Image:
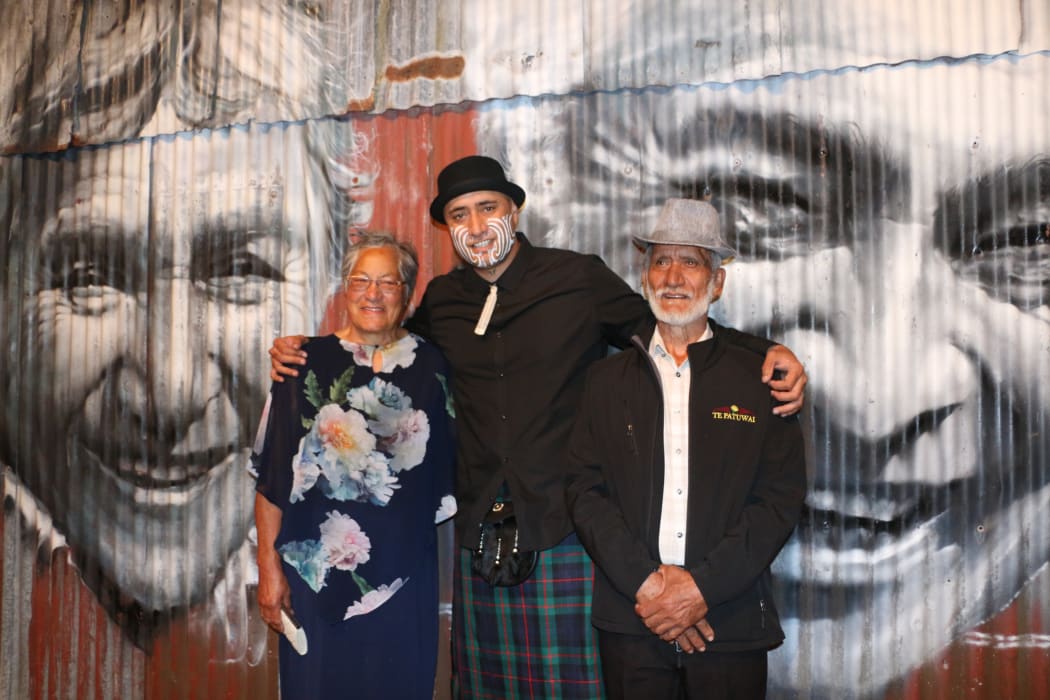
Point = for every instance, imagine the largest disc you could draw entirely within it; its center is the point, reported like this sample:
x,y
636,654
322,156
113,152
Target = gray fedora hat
x,y
688,222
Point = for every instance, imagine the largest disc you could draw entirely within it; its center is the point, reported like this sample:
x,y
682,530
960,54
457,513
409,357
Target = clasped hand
x,y
672,607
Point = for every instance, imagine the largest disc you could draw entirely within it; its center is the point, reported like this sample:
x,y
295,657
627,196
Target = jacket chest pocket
x,y
630,440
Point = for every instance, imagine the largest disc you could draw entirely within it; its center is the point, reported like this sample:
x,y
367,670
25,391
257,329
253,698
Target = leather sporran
x,y
497,558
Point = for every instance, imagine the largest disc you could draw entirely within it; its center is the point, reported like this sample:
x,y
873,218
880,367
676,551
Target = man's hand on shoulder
x,y
786,378
285,351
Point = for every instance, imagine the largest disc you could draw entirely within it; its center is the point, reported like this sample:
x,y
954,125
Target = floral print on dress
x,y
338,446
355,453
373,597
355,447
446,509
343,545
402,432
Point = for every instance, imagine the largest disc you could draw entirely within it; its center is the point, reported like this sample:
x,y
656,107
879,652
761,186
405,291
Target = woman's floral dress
x,y
361,465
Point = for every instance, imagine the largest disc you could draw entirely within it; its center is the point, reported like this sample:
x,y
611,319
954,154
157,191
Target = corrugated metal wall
x,y
179,179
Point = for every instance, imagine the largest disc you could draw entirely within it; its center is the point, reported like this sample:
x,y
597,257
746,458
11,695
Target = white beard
x,y
694,313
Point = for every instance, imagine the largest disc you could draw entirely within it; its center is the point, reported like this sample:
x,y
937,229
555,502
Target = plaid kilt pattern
x,y
529,641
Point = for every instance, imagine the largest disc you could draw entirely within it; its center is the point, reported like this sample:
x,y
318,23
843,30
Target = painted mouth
x,y
146,456
852,550
862,529
860,525
174,472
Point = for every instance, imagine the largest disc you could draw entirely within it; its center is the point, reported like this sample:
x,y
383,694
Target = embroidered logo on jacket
x,y
734,413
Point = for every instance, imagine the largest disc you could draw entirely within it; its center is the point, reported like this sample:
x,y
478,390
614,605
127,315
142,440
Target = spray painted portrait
x,y
178,180
145,276
893,224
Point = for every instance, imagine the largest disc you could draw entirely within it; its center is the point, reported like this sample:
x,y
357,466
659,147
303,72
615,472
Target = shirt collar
x,y
514,273
658,348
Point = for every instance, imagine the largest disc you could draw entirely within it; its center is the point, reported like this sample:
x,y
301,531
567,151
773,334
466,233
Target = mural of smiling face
x,y
890,214
150,275
903,257
482,226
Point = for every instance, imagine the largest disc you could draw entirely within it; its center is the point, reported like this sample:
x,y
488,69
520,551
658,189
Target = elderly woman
x,y
354,470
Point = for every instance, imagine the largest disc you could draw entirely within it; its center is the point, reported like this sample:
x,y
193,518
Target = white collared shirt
x,y
674,384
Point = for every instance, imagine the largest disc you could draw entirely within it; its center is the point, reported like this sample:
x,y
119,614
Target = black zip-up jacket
x,y
747,483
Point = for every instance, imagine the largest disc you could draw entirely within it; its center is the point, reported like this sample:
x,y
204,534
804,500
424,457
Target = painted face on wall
x,y
892,226
482,225
154,275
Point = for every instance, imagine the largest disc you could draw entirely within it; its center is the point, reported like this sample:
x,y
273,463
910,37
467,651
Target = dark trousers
x,y
647,668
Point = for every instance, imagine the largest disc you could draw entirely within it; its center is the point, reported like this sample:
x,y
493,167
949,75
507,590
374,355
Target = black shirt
x,y
517,386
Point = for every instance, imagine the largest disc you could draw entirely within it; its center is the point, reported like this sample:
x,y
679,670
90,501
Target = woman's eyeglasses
x,y
359,284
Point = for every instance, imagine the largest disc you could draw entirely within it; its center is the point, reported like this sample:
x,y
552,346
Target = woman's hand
x,y
273,591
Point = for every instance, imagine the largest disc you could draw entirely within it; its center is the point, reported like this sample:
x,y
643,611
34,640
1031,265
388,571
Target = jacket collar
x,y
701,354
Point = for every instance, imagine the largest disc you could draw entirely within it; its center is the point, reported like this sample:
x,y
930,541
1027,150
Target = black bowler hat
x,y
472,174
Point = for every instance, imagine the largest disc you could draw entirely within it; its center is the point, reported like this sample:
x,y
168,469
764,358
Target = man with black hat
x,y
684,486
520,325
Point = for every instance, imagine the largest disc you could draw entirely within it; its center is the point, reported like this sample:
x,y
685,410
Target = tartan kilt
x,y
534,640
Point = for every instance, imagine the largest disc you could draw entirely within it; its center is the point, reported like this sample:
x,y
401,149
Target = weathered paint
x,y
860,155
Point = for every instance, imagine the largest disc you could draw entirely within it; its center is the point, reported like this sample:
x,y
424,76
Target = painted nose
x,y
178,370
892,337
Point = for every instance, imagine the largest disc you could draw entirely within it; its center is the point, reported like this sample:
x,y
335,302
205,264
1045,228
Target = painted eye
x,y
1012,264
236,275
90,290
93,280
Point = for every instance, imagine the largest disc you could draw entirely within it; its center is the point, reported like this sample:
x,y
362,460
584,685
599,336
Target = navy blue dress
x,y
361,465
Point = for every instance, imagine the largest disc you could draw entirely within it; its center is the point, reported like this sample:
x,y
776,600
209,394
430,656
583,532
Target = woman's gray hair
x,y
407,260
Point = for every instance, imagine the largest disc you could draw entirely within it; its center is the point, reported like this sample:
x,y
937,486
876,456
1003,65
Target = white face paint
x,y
488,247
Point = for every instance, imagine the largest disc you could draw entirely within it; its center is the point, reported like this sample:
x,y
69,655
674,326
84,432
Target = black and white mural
x,y
178,182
